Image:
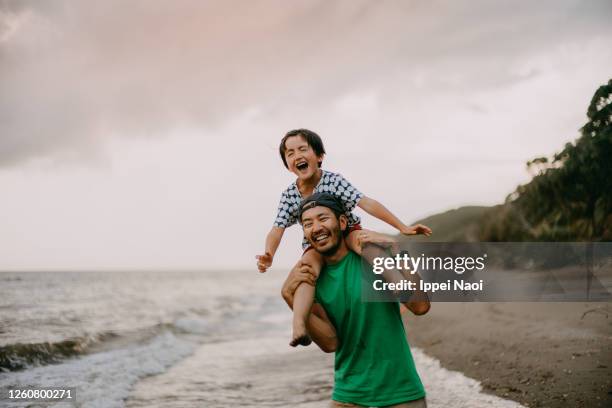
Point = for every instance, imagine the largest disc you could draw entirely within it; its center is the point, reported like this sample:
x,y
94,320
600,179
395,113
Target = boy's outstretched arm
x,y
273,240
376,209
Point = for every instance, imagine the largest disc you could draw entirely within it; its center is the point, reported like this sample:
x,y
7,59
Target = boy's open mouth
x,y
302,166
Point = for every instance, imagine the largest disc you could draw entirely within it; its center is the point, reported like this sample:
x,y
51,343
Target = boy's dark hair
x,y
311,138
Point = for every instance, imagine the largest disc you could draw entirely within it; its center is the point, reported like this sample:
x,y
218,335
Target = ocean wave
x,y
18,356
104,379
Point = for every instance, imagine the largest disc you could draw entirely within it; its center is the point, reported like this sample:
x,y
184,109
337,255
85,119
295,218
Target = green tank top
x,y
373,364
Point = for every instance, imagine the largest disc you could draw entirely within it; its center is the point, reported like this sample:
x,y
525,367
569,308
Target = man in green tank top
x,y
373,364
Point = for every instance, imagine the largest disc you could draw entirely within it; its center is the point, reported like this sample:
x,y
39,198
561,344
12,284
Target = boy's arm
x,y
319,327
376,209
273,240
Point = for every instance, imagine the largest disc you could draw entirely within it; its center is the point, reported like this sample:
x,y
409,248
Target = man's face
x,y
301,159
322,229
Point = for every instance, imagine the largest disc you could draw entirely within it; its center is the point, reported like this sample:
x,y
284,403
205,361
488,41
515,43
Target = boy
x,y
302,153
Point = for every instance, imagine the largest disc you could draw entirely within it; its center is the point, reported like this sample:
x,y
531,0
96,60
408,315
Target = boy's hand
x,y
264,261
418,229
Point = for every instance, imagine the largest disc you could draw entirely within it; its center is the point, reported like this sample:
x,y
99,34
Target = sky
x,y
144,134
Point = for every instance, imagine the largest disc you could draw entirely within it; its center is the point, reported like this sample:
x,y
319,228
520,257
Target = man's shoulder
x,y
351,259
354,255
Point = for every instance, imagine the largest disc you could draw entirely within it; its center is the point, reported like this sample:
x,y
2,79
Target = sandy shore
x,y
266,372
469,355
540,354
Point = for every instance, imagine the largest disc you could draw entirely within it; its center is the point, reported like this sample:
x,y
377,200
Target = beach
x,y
195,339
468,355
266,372
540,354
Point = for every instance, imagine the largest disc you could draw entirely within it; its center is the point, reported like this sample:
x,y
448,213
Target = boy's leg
x,y
303,299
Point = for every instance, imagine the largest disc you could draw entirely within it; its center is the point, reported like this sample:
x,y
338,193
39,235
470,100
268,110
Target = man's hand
x,y
366,237
418,229
301,272
264,261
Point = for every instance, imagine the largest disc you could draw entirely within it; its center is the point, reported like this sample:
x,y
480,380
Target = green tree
x,y
570,196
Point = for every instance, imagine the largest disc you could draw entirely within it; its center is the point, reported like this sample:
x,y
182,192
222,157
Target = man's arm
x,y
319,327
418,302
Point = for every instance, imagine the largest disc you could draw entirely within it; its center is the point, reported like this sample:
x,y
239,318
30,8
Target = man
x,y
373,364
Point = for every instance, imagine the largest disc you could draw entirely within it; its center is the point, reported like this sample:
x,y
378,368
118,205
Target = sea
x,y
157,339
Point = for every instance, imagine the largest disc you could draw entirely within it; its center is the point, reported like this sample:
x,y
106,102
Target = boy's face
x,y
301,159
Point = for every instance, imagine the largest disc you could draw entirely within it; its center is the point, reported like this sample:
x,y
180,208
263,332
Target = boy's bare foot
x,y
300,335
303,340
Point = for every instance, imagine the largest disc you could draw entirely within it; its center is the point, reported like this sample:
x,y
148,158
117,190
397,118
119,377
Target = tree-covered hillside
x,y
568,199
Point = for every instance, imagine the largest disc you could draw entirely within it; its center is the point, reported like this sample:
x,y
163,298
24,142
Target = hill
x,y
568,199
458,225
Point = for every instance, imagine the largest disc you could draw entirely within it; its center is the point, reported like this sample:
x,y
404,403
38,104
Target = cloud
x,y
74,74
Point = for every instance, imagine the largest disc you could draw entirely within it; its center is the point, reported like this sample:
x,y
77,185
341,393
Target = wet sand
x,y
264,371
469,355
541,354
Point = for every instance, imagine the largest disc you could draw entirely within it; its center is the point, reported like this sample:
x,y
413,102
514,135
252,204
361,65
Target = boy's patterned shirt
x,y
332,183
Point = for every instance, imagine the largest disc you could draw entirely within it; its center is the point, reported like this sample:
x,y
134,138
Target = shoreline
x,y
266,372
550,355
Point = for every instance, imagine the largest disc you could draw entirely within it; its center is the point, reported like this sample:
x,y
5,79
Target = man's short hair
x,y
311,138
